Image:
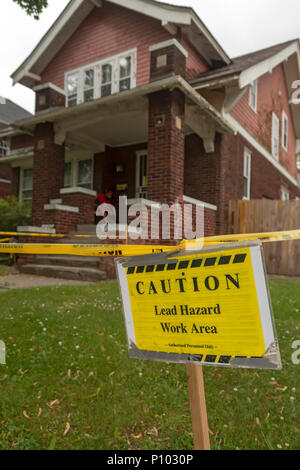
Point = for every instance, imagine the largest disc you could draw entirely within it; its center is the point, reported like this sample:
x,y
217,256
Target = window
x,y
253,96
88,85
85,173
275,136
125,73
141,174
106,79
3,148
72,88
68,175
247,173
285,126
284,194
26,188
101,79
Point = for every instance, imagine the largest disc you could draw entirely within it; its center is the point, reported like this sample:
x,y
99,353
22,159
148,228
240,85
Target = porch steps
x,y
64,272
78,268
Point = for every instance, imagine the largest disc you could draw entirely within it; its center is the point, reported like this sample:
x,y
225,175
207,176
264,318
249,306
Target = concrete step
x,y
87,229
68,261
65,272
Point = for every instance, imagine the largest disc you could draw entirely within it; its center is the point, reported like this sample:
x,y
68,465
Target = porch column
x,y
48,171
166,147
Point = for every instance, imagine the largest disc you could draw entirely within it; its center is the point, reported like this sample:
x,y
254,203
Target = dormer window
x,y
112,75
253,96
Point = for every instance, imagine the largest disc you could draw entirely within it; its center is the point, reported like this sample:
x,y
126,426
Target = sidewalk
x,y
23,281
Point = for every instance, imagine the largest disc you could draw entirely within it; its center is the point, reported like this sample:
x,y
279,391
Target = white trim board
x,y
170,42
252,141
266,66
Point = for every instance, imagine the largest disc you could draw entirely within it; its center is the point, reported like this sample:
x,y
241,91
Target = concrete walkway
x,y
23,281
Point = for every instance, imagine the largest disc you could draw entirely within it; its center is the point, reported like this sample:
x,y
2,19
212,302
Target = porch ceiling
x,y
122,119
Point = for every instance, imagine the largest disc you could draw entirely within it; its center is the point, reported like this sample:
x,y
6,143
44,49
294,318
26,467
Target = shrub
x,y
13,213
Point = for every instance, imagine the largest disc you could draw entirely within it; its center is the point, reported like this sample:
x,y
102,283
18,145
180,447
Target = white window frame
x,y
115,61
284,194
21,189
74,158
285,119
253,87
138,188
247,174
275,119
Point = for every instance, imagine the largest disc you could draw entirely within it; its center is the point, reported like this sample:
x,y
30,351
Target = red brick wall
x,y
266,180
272,96
5,189
48,171
85,204
200,170
195,64
111,30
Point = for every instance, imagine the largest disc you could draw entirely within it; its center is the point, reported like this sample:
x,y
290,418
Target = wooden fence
x,y
282,258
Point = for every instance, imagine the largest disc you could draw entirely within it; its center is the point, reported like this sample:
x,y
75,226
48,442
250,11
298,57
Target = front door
x,y
141,174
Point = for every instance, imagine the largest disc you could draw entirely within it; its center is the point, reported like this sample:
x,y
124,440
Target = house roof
x,y
246,62
171,17
11,112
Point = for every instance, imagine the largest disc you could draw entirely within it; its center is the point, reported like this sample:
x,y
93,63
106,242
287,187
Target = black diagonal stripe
x,y
131,270
171,266
183,264
210,261
140,269
224,359
150,269
160,267
196,263
224,260
210,358
239,258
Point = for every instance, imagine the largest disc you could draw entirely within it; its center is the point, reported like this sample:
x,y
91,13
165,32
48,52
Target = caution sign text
x,y
214,305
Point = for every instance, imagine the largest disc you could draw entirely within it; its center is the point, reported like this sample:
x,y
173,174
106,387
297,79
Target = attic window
x,y
253,96
112,75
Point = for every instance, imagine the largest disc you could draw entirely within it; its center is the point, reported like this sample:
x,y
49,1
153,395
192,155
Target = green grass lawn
x,y
69,383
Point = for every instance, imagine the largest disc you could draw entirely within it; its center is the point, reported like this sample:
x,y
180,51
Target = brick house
x,y
138,94
9,113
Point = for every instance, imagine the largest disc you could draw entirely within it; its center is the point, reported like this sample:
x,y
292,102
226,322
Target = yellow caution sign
x,y
210,306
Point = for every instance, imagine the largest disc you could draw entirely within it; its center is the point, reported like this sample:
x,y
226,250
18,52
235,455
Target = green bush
x,y
13,213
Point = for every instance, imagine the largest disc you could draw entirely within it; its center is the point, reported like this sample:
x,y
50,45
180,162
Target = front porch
x,y
159,142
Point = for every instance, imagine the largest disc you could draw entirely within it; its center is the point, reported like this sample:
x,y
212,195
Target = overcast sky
x,y
240,26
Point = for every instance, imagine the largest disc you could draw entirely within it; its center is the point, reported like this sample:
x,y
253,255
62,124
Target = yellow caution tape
x,y
262,236
135,250
84,250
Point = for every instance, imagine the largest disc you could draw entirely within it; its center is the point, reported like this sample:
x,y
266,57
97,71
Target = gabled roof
x,y
171,17
264,60
11,112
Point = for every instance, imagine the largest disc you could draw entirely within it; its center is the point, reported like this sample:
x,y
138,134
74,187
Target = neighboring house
x,y
139,94
9,113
